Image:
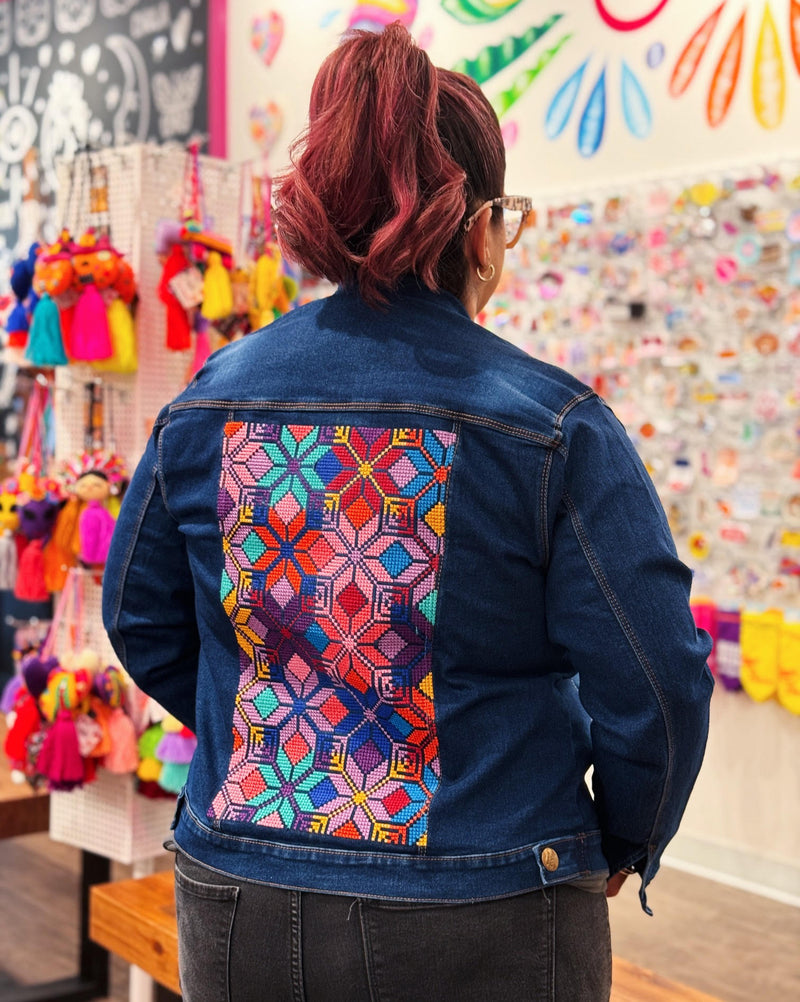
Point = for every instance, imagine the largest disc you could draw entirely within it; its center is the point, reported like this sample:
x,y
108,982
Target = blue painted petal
x,y
560,108
635,106
593,119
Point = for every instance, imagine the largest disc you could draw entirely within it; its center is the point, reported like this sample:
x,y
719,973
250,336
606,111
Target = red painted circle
x,y
618,24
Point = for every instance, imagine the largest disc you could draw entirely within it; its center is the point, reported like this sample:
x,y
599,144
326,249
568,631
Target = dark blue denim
x,y
240,941
563,636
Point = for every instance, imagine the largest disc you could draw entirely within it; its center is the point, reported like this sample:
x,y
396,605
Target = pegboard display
x,y
145,188
110,818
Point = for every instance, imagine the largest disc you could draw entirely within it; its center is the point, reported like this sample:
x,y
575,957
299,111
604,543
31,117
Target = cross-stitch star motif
x,y
332,541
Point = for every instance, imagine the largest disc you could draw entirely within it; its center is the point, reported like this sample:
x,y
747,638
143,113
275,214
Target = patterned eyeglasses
x,y
516,209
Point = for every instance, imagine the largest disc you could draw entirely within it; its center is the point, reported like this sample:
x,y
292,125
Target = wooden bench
x,y
136,920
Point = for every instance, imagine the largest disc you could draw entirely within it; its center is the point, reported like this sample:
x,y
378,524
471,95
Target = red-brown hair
x,y
395,152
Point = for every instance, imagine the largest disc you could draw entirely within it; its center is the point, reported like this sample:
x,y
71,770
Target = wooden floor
x,y
724,942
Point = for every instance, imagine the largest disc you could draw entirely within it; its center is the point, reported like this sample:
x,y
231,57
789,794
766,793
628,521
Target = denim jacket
x,y
416,594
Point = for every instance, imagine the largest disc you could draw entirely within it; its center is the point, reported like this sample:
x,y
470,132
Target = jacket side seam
x,y
120,646
367,406
544,489
636,646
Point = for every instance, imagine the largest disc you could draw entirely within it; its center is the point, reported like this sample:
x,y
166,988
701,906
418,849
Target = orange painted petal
x,y
794,31
688,61
726,76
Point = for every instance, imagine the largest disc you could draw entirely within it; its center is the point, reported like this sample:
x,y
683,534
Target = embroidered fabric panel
x,y
332,541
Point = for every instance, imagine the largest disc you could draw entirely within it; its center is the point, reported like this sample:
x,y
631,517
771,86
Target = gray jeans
x,y
240,941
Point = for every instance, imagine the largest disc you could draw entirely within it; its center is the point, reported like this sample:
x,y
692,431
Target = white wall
x,y
743,823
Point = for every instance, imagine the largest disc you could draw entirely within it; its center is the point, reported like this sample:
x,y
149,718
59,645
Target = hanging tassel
x,y
173,777
9,563
27,721
67,315
90,336
10,692
179,331
176,749
60,759
123,755
30,585
217,292
45,344
123,340
101,715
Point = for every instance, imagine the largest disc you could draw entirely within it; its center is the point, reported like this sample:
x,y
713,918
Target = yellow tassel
x,y
123,340
217,292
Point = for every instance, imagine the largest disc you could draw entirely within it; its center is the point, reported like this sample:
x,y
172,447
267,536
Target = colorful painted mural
x,y
584,89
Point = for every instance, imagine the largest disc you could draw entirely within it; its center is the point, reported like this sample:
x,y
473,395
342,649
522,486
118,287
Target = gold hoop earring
x,y
489,277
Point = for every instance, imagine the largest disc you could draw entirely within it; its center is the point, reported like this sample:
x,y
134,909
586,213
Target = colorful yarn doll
x,y
37,518
123,752
95,523
18,321
65,698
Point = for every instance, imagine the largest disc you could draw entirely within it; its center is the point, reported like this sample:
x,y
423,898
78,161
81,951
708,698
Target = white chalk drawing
x,y
65,122
90,59
68,79
116,8
5,28
150,20
72,16
179,32
175,97
135,97
66,51
158,48
31,22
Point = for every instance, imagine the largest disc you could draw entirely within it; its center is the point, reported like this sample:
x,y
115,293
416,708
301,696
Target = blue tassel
x,y
45,343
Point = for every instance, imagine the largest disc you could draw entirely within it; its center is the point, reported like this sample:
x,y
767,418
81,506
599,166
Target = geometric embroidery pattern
x,y
332,542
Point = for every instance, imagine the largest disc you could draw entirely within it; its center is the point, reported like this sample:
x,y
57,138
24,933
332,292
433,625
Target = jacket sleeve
x,y
618,606
148,595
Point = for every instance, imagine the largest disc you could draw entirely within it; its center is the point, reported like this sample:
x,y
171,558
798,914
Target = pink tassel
x,y
90,335
60,758
124,754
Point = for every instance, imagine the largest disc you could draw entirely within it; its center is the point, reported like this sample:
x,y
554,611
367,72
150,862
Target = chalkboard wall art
x,y
99,73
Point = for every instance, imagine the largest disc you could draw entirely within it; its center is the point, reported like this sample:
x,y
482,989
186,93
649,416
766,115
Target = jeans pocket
x,y
205,919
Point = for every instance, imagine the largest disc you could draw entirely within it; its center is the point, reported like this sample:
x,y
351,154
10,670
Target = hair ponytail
x,y
378,186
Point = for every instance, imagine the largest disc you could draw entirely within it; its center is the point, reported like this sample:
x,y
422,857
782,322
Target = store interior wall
x,y
599,94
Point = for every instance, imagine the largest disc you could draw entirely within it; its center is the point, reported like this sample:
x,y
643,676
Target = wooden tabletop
x,y
135,919
22,810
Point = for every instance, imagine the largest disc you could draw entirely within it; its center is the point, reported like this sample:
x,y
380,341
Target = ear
x,y
478,248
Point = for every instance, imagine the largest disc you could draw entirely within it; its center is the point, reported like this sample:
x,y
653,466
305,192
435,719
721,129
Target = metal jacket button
x,y
549,859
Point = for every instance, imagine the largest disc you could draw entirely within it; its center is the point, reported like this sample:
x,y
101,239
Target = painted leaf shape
x,y
726,76
560,108
593,119
505,99
494,58
769,76
688,61
635,106
478,11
